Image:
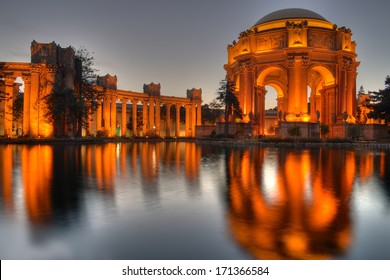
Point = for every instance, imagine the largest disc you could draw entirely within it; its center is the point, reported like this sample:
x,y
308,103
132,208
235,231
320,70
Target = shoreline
x,y
221,142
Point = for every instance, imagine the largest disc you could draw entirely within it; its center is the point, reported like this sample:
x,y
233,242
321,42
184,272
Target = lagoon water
x,y
188,201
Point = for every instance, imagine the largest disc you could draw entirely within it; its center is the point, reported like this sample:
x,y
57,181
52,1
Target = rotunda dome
x,y
290,14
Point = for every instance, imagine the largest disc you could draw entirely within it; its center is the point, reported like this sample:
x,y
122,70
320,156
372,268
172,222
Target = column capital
x,y
123,99
9,80
261,90
26,79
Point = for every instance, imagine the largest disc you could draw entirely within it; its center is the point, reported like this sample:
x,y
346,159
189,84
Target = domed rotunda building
x,y
309,61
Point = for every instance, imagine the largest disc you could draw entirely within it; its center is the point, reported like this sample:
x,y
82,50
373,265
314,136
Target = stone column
x,y
34,100
158,120
313,106
106,112
99,116
342,92
249,92
188,120
145,118
280,105
318,107
9,91
350,99
297,87
332,102
260,108
178,120
151,115
168,125
124,114
134,116
26,105
193,119
113,114
242,89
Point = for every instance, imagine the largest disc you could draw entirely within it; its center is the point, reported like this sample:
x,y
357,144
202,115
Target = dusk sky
x,y
180,44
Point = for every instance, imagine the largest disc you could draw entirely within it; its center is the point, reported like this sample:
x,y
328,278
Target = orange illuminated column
x,y
34,98
188,120
342,94
158,117
193,118
246,90
178,119
151,115
351,99
315,105
106,112
249,92
260,108
26,105
134,116
168,125
9,90
297,88
99,116
124,113
113,113
242,89
144,116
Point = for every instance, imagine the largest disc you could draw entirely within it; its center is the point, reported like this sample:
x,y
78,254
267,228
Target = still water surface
x,y
185,201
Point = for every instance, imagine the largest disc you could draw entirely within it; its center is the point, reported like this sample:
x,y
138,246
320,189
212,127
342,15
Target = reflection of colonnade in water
x,y
50,175
304,213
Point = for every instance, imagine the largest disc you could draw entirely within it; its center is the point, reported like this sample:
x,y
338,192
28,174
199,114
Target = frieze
x,y
321,41
271,42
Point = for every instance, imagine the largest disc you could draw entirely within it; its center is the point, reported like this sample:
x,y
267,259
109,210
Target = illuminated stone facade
x,y
49,60
309,61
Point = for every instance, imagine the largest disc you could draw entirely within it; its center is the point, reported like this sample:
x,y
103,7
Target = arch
x,y
279,71
327,75
277,86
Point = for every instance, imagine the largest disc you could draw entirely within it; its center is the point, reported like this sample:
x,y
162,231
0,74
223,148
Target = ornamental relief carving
x,y
321,41
271,42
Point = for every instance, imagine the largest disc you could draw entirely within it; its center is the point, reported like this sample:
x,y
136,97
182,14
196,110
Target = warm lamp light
x,y
305,118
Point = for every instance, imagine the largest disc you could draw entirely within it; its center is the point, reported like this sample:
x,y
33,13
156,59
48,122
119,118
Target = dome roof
x,y
290,14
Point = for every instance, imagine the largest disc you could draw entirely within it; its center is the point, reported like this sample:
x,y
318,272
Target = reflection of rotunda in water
x,y
304,214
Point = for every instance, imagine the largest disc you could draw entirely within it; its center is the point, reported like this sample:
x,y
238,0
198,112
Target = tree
x,y
87,95
294,131
211,112
67,107
229,100
61,107
380,103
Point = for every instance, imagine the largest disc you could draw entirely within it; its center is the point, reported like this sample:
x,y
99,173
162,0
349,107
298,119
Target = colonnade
x,y
149,106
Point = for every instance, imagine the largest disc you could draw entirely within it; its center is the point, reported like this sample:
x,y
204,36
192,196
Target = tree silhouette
x,y
380,103
226,97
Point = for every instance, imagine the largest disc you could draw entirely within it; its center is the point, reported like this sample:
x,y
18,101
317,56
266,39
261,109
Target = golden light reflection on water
x,y
309,217
6,176
282,204
101,163
37,172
